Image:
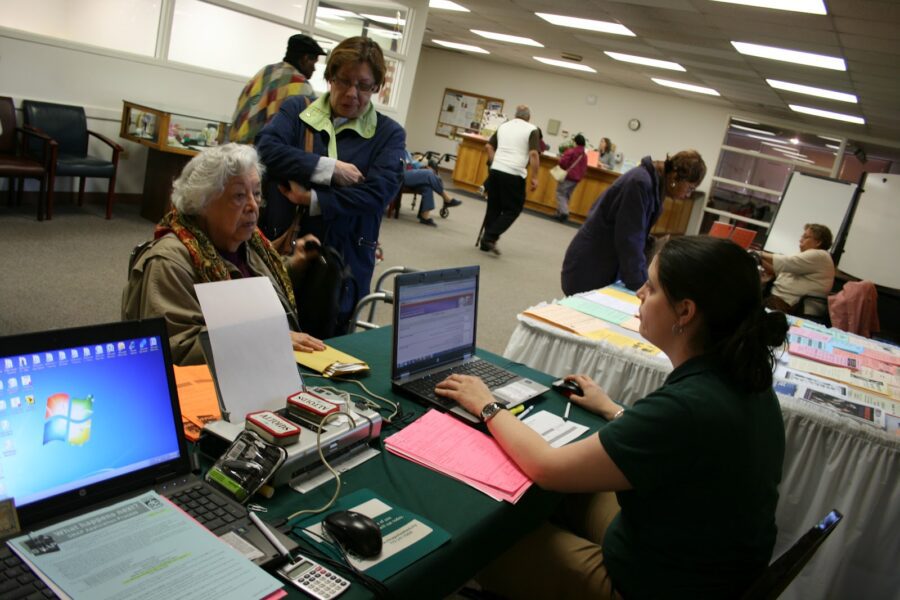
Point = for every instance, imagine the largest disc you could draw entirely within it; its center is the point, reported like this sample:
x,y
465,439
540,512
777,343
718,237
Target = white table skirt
x,y
831,461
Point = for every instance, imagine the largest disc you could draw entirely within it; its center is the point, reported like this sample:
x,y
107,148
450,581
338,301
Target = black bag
x,y
319,292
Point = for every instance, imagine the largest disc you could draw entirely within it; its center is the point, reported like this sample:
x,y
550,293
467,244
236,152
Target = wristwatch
x,y
489,410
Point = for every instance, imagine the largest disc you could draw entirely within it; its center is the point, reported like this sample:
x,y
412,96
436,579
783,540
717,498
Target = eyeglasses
x,y
362,86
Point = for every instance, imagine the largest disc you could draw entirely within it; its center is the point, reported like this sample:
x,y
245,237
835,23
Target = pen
x,y
517,409
267,533
568,407
525,412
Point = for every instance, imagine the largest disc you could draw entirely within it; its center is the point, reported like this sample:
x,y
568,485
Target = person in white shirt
x,y
809,273
512,149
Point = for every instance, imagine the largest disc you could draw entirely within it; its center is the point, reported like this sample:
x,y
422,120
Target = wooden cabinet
x,y
173,138
471,163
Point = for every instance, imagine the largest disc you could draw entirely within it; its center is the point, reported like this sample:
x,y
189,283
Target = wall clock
x,y
634,124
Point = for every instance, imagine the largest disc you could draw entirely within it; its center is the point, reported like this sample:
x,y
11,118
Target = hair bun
x,y
775,328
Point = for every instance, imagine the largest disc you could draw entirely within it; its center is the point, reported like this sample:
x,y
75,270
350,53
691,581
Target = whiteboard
x,y
873,246
808,199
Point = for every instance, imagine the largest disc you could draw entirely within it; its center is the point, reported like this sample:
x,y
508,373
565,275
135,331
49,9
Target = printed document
x,y
143,548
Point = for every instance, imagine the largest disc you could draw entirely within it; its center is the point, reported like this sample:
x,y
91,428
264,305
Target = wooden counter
x,y
471,171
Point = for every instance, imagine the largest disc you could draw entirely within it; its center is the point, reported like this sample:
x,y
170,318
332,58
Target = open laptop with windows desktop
x,y
435,317
90,416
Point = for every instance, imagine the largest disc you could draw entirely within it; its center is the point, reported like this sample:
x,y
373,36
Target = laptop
x,y
90,416
435,315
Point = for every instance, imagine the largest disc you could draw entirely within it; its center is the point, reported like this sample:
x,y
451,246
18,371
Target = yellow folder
x,y
331,362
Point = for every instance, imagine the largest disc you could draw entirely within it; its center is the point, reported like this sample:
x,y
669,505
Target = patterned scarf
x,y
208,263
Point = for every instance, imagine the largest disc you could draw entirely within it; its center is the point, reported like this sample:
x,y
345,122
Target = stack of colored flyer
x,y
446,445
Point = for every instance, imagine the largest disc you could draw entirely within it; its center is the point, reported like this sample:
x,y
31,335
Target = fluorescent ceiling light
x,y
447,5
762,131
688,87
502,37
774,145
589,24
832,146
458,46
564,64
747,121
386,20
791,56
814,7
641,60
811,91
768,140
830,139
818,112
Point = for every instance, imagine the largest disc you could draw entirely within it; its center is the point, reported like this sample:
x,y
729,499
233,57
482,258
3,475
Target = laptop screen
x,y
435,314
84,407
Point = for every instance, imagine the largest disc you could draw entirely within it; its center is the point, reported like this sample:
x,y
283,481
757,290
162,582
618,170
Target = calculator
x,y
314,579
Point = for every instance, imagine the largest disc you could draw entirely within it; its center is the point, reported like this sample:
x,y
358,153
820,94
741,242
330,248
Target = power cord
x,y
397,411
337,476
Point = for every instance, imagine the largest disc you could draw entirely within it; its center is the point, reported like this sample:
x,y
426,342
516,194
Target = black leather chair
x,y
67,125
16,167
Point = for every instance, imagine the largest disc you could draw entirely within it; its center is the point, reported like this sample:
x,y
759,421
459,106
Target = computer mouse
x,y
567,387
354,532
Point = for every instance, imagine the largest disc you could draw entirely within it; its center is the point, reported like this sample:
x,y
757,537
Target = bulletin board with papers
x,y
462,112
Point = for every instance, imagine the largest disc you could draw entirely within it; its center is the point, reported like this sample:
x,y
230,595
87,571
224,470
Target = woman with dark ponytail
x,y
695,465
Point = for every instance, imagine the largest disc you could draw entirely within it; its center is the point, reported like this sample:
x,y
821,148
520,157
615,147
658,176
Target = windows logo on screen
x,y
68,419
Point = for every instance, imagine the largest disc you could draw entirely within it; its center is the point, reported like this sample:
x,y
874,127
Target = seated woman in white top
x,y
809,273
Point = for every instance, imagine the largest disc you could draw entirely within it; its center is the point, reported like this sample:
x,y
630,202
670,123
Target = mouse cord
x,y
337,476
378,588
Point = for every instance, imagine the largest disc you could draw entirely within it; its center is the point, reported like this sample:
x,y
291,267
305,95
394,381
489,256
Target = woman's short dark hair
x,y
821,233
687,165
355,50
579,139
723,281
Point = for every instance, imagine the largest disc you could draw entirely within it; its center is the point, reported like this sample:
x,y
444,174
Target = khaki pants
x,y
559,561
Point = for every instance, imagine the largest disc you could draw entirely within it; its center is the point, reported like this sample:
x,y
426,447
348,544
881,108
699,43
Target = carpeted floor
x,y
70,271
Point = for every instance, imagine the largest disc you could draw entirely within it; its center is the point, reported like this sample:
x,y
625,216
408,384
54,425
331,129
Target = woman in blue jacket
x,y
351,174
611,243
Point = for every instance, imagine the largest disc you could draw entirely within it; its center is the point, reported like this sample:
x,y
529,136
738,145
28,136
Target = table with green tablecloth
x,y
480,527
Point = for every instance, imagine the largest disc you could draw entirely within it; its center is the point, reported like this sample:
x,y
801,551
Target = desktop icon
x,y
68,419
74,353
23,362
26,380
2,405
1,385
132,346
12,382
153,342
86,352
35,359
121,347
4,426
15,402
62,355
98,349
29,400
48,357
9,447
7,363
143,343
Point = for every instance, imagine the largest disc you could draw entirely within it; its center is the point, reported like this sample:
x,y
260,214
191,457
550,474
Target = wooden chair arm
x,y
116,147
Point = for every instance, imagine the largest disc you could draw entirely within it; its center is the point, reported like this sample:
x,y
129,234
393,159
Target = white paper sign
x,y
251,345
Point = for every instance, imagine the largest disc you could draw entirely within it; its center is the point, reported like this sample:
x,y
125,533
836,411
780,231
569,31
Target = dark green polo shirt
x,y
704,459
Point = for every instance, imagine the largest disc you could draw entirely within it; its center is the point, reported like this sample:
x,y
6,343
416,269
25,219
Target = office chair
x,y
14,165
781,573
67,126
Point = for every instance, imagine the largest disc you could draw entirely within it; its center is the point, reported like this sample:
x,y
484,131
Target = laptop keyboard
x,y
208,508
492,375
18,581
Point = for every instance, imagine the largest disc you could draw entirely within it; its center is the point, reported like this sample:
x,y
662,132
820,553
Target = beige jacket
x,y
809,273
161,283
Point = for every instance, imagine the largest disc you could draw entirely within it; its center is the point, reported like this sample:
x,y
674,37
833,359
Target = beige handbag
x,y
558,173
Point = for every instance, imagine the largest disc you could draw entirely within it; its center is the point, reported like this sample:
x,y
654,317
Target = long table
x,y
480,527
831,461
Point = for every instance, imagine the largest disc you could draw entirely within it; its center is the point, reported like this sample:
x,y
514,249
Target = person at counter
x,y
695,465
809,273
343,199
605,152
211,235
574,161
614,240
511,150
262,96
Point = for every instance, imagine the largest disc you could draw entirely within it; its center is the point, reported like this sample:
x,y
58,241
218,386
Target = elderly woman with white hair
x,y
211,235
